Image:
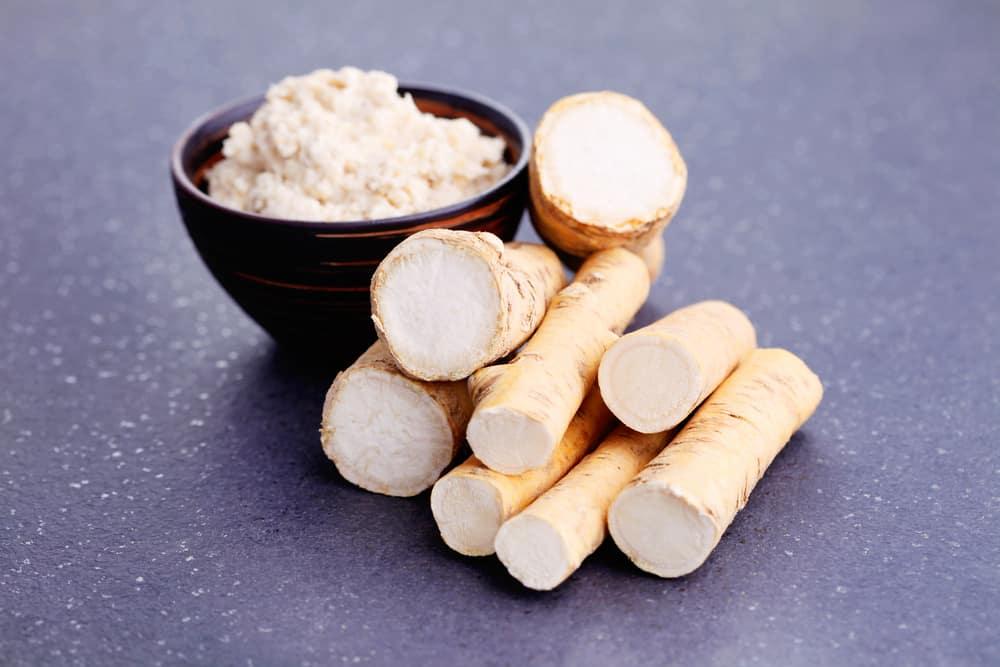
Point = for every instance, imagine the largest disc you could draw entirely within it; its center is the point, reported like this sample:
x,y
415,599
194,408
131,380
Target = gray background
x,y
163,496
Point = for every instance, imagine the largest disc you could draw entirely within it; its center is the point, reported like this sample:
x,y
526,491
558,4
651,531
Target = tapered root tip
x,y
660,531
385,435
468,513
509,441
533,552
650,383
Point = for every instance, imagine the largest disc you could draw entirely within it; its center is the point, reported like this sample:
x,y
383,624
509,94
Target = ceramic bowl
x,y
307,283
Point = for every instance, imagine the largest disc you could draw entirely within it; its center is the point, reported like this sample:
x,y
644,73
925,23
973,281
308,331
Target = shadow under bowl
x,y
307,283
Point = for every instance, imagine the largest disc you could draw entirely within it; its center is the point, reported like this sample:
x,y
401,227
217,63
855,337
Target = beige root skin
x,y
499,293
389,433
673,514
543,545
524,407
557,219
653,378
654,254
471,502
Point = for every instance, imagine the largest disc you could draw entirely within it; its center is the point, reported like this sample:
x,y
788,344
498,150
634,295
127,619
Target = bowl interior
x,y
202,147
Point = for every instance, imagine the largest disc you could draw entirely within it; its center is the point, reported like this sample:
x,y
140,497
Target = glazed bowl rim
x,y
377,224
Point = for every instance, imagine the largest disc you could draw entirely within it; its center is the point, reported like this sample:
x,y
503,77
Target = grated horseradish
x,y
344,145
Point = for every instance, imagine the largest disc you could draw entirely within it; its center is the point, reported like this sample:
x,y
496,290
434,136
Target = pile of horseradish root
x,y
657,436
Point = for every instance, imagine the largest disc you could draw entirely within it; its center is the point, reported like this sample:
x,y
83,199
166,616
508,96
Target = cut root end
x,y
604,173
385,435
660,531
509,441
534,552
468,513
438,307
651,384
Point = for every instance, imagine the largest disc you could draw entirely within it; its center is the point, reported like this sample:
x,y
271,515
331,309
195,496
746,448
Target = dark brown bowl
x,y
307,283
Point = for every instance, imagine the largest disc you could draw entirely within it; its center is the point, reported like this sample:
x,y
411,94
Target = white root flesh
x,y
543,545
446,302
604,173
389,433
524,407
471,502
673,514
653,378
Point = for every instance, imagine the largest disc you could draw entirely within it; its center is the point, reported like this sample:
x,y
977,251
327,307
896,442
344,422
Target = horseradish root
x,y
653,254
446,303
471,502
546,542
388,433
670,517
523,407
603,173
655,377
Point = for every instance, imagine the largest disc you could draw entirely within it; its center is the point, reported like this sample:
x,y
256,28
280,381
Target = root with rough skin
x,y
523,407
656,376
446,302
604,173
389,433
471,502
547,542
670,517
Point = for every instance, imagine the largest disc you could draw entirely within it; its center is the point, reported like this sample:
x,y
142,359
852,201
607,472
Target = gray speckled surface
x,y
163,498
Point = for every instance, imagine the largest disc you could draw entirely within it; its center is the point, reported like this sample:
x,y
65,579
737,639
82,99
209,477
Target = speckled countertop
x,y
163,497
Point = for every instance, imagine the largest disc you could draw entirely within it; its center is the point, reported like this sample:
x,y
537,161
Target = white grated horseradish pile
x,y
344,145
